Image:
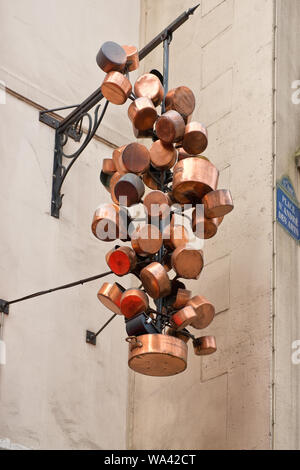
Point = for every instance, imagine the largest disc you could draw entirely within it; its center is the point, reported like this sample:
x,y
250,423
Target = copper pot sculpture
x,y
156,281
149,86
110,222
195,138
146,240
121,260
142,114
183,318
116,88
132,58
217,203
133,301
111,57
187,262
163,156
205,345
192,179
157,355
170,127
205,312
129,190
110,296
182,100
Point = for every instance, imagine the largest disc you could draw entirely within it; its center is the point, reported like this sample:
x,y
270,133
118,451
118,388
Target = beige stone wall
x,y
55,390
287,261
225,54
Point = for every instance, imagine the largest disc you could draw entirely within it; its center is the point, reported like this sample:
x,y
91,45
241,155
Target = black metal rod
x,y
66,286
105,325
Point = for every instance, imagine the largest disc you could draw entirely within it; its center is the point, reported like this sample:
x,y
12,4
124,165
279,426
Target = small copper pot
x,y
205,311
205,345
182,298
192,179
105,180
157,205
204,228
117,159
129,190
157,355
163,156
116,88
121,260
111,57
110,296
133,301
187,262
170,127
182,100
195,138
142,114
149,86
132,62
149,181
146,240
156,281
108,166
175,236
183,318
217,203
135,158
110,222
114,180
178,334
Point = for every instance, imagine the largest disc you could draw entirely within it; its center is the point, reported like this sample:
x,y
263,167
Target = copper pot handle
x,y
134,342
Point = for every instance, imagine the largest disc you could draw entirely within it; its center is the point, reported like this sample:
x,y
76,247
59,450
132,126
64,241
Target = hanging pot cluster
x,y
176,172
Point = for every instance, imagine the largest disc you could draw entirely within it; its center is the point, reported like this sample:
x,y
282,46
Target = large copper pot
x,y
193,178
157,355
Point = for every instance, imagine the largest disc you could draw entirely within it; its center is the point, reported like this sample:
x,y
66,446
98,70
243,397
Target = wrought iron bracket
x,y
4,306
91,338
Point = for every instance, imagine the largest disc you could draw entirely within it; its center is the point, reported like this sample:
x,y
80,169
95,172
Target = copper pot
x,y
108,166
182,298
175,236
182,154
116,88
117,159
142,114
111,57
133,301
157,205
110,296
170,127
204,228
187,262
217,203
182,100
121,260
129,190
146,240
156,281
132,62
178,334
149,86
192,179
205,311
157,355
114,180
195,138
135,158
110,222
163,156
205,345
105,180
183,318
149,181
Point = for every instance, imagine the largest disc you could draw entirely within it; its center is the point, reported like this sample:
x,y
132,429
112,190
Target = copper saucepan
x,y
187,262
203,227
205,345
155,280
182,100
217,203
121,260
205,312
108,166
116,88
170,127
195,139
117,159
163,156
110,296
183,318
135,158
150,182
133,301
157,205
157,355
192,179
142,114
149,86
146,240
129,190
110,222
111,57
132,62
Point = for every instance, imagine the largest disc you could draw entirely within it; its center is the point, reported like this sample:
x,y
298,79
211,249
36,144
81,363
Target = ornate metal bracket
x,y
71,126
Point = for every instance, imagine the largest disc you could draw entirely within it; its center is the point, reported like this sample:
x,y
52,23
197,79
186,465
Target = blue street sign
x,y
287,208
